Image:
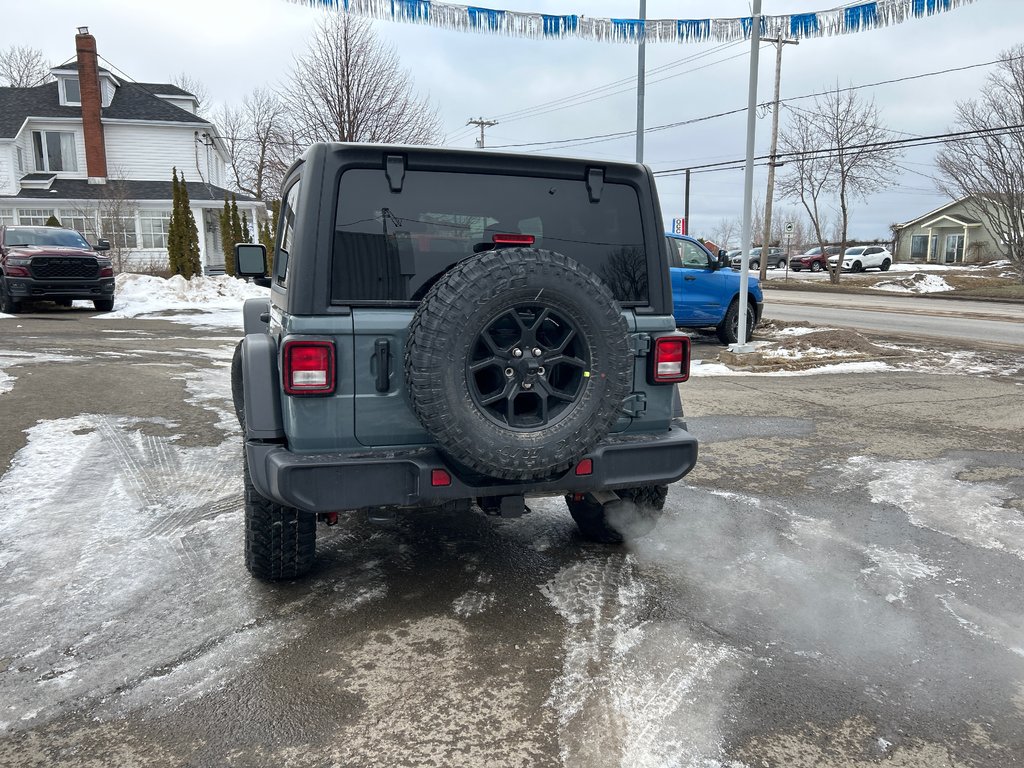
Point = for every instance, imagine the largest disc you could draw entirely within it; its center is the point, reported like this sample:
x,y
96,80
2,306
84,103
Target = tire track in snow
x,y
632,692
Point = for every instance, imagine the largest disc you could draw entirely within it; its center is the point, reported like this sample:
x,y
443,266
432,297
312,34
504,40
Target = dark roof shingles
x,y
81,189
132,101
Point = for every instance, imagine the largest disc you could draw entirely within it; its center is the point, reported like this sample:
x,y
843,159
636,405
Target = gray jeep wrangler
x,y
455,327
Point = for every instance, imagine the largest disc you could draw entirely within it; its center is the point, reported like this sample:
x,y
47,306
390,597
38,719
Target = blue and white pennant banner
x,y
860,17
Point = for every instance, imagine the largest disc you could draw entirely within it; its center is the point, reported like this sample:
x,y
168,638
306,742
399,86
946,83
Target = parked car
x,y
776,258
862,257
52,264
705,293
813,259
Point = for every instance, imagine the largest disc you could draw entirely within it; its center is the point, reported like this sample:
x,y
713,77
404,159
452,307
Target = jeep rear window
x,y
393,246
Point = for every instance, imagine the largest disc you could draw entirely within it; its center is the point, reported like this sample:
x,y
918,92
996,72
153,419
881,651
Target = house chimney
x,y
92,104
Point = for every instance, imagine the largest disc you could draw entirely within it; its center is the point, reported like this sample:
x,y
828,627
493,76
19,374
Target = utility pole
x,y
741,344
483,124
641,66
773,162
686,205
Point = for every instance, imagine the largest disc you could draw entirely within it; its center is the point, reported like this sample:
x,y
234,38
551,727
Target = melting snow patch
x,y
698,368
932,497
11,359
915,283
632,692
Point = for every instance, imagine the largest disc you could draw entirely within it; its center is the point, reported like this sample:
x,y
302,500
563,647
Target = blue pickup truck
x,y
705,290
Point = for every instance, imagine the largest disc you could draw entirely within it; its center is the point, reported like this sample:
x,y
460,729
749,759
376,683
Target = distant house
x,y
97,151
953,234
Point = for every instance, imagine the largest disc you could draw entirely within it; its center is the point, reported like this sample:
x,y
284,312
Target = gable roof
x,y
132,101
935,213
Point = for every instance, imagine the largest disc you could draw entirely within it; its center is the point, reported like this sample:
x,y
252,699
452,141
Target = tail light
x,y
511,239
309,367
671,359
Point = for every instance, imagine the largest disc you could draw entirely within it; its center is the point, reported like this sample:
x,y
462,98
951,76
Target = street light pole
x,y
640,82
748,181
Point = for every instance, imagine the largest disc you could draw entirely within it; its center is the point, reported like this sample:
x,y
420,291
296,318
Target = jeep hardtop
x,y
449,328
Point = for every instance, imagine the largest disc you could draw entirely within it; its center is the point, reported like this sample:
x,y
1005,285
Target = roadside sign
x,y
789,227
678,226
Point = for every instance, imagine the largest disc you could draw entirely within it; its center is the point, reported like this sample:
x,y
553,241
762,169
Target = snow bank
x,y
201,301
915,283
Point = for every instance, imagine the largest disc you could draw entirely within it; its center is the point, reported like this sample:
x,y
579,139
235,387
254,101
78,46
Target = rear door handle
x,y
382,358
691,278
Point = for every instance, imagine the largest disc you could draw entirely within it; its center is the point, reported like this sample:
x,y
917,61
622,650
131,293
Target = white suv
x,y
863,257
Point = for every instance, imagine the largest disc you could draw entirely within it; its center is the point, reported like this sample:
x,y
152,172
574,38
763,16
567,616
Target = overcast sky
x,y
233,46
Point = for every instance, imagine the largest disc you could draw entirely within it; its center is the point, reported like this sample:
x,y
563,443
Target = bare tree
x,y
350,86
724,233
194,86
840,149
260,143
989,169
117,211
807,175
23,67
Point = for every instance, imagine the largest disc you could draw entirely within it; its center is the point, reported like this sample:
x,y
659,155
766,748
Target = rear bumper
x,y
329,482
29,288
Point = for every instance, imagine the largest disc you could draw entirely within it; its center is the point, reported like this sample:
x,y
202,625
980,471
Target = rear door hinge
x,y
635,405
639,344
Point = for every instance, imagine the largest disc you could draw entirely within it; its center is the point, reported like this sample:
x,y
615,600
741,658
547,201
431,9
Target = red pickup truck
x,y
53,264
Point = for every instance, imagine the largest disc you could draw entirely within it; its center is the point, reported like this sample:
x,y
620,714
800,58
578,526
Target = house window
x,y
72,90
82,221
919,247
119,230
154,226
6,217
34,217
55,150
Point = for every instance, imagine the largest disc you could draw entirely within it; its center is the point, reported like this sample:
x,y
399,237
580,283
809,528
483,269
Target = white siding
x,y
182,103
8,169
149,152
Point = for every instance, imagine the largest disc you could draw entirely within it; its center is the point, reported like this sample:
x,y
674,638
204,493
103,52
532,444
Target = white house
x,y
96,151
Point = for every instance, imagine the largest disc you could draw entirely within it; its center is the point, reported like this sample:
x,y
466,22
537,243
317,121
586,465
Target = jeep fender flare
x,y
253,311
255,387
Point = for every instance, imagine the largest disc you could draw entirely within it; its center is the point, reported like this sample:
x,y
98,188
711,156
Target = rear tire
x,y
103,305
637,517
885,265
728,329
280,542
780,264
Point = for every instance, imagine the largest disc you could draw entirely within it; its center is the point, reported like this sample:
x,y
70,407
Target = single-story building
x,y
956,233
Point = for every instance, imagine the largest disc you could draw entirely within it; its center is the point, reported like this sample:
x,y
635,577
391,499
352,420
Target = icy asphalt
x,y
838,583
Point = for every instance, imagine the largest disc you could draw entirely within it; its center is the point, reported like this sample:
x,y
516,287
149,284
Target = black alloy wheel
x,y
528,367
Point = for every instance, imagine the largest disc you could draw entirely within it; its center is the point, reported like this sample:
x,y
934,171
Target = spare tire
x,y
517,362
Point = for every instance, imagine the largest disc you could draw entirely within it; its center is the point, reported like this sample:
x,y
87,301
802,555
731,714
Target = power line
x,y
567,143
875,146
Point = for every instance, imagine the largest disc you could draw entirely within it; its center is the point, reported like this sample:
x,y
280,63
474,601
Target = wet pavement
x,y
836,584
